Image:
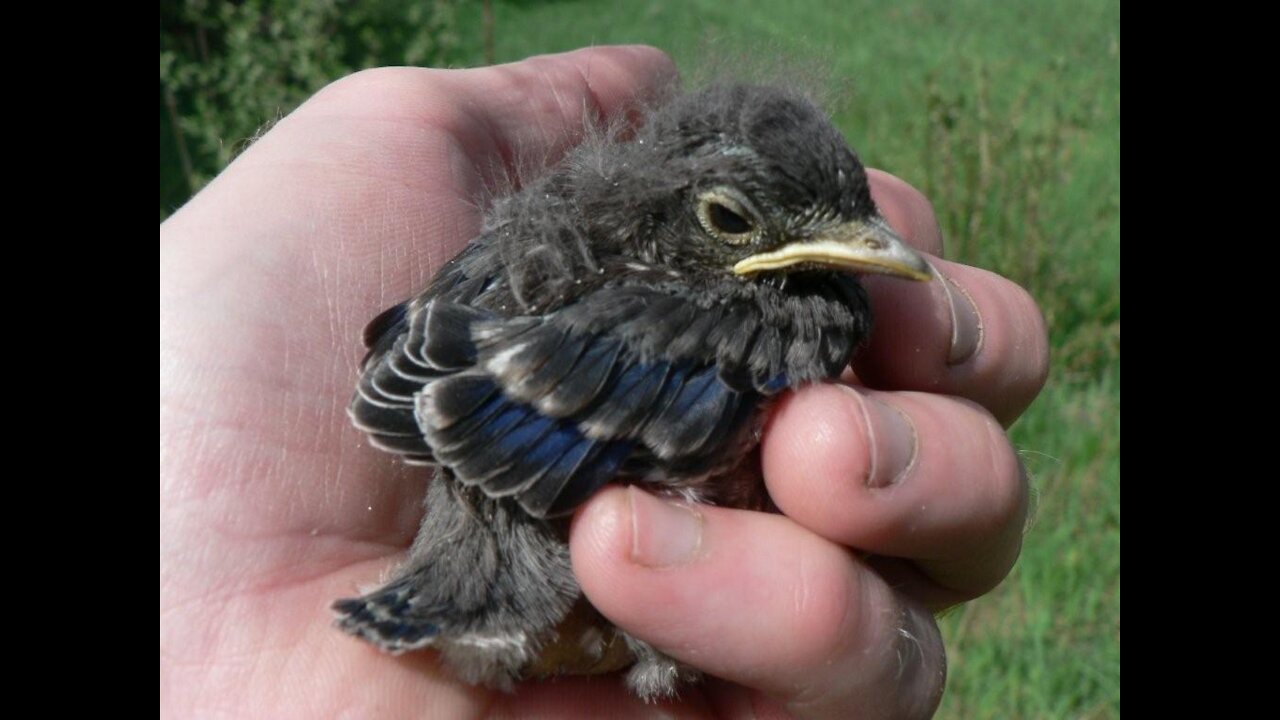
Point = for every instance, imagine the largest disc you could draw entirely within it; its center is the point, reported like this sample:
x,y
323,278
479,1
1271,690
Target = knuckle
x,y
393,83
827,609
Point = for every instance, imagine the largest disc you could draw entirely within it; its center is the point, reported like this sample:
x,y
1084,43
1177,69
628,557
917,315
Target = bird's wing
x,y
546,409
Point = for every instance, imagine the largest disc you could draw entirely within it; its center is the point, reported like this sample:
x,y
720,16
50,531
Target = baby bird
x,y
625,317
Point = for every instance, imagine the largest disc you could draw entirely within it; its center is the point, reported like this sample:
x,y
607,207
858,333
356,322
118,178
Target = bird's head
x,y
752,181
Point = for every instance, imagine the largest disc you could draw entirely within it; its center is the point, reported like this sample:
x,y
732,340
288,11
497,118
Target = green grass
x,y
1047,642
1007,115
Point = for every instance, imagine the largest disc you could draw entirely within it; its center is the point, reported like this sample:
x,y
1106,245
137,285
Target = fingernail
x,y
891,437
966,323
663,533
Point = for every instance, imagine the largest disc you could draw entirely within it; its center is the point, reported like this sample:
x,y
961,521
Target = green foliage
x,y
229,70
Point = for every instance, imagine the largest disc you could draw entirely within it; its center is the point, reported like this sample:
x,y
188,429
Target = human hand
x,y
270,507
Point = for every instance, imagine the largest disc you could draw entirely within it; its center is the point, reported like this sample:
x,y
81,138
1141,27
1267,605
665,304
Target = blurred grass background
x,y
1007,115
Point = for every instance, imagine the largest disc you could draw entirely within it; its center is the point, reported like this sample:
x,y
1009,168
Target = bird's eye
x,y
725,214
726,220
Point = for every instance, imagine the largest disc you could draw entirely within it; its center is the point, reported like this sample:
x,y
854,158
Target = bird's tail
x,y
484,582
383,618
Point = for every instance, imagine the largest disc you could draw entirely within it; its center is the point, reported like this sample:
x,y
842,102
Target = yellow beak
x,y
859,246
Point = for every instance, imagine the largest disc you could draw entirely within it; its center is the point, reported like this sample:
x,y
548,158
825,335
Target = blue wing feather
x,y
548,409
568,486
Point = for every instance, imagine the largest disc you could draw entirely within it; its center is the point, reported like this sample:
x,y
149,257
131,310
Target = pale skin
x,y
897,502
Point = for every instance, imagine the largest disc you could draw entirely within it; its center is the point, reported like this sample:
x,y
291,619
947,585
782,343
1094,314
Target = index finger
x,y
969,332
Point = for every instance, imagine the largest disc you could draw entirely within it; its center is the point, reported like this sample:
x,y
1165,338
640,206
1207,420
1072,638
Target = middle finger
x,y
912,475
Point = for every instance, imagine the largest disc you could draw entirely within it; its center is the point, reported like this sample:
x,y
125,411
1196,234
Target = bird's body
x,y
627,316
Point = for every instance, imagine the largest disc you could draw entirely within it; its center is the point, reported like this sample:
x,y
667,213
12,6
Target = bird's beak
x,y
860,246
